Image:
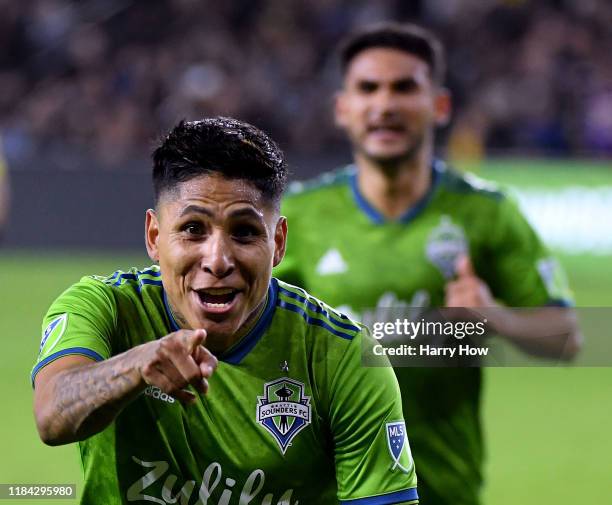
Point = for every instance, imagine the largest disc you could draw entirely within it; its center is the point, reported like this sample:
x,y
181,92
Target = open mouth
x,y
217,299
386,128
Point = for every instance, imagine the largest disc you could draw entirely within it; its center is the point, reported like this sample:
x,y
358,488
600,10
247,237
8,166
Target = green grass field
x,y
547,429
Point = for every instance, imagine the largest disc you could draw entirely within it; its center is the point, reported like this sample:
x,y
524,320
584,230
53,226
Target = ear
x,y
152,234
442,107
340,119
280,240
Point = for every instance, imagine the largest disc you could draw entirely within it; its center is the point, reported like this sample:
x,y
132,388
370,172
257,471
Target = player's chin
x,y
388,157
387,152
221,330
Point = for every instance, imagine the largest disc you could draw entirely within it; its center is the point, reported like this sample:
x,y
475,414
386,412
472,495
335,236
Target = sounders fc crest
x,y
445,244
397,441
284,410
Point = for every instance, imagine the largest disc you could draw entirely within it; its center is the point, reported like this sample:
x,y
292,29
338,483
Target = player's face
x,y
389,104
216,241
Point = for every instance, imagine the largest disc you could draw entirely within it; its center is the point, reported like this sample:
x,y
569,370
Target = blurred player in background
x,y
400,228
125,360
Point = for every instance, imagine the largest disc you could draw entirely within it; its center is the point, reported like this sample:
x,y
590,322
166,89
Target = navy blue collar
x,y
238,351
437,168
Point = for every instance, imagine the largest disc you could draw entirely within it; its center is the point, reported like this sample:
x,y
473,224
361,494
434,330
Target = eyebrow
x,y
247,212
243,212
378,82
195,208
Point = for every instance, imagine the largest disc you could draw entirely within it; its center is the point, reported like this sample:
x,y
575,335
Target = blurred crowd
x,y
106,77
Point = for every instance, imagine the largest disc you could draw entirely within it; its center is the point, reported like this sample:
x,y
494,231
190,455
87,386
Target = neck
x,y
247,326
393,188
218,344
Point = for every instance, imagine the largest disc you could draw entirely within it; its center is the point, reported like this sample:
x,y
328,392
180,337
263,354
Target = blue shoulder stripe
x,y
150,281
151,272
83,351
126,277
112,277
133,277
119,275
320,310
312,320
142,282
384,499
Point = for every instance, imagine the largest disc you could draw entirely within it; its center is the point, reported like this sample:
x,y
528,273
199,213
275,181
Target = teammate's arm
x,y
76,397
542,331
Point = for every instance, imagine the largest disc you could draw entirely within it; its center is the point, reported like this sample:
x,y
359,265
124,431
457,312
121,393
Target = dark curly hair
x,y
222,145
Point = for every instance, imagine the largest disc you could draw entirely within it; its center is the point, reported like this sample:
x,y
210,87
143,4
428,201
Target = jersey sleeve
x,y
79,322
521,271
374,464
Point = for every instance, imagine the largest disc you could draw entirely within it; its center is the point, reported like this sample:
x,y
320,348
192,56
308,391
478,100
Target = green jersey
x,y
291,416
343,250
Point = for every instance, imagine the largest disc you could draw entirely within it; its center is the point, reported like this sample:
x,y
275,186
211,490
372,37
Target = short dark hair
x,y
407,37
222,145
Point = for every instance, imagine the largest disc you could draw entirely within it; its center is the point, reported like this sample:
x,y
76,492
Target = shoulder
x,y
467,183
111,290
325,183
315,318
131,279
312,200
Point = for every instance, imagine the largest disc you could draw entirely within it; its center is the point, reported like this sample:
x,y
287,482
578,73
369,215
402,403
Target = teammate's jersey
x,y
290,416
342,250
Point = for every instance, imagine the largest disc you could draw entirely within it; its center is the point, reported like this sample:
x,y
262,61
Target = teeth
x,y
218,291
217,305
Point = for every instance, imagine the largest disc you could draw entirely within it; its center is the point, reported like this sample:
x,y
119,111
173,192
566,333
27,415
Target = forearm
x,y
83,400
545,331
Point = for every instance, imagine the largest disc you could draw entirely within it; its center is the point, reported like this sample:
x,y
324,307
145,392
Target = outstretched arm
x,y
76,398
542,331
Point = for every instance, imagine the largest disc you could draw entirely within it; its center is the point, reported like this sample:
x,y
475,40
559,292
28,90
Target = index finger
x,y
193,339
206,361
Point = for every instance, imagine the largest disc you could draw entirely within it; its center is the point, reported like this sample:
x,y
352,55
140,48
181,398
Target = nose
x,y
384,101
217,255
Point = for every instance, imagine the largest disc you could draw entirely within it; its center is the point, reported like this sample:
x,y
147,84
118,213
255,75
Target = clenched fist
x,y
467,290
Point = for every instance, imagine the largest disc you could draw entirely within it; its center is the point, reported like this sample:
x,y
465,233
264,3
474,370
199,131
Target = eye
x,y
405,86
367,87
245,232
193,228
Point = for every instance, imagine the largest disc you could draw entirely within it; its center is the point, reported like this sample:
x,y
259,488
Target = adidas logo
x,y
331,263
158,394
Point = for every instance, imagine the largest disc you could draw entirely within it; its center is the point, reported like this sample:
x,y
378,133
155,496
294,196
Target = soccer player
x,y
400,228
204,380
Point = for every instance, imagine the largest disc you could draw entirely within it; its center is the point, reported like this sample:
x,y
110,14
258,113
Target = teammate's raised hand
x,y
467,289
176,361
